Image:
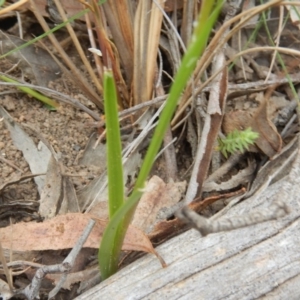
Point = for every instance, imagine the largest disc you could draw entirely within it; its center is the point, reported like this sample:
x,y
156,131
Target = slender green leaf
x,y
113,144
114,166
33,93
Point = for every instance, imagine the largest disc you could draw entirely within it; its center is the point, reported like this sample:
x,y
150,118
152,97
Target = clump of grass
x,y
114,234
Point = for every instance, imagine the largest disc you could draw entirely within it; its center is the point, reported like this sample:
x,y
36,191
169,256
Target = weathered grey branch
x,y
259,261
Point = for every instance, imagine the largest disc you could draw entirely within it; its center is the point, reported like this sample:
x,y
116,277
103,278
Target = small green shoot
x,y
114,163
115,232
50,102
237,141
114,148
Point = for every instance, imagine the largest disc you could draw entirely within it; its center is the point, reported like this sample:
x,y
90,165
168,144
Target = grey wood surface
x,y
259,261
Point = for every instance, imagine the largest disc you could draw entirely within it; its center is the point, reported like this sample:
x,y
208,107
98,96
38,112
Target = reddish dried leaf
x,y
62,232
270,141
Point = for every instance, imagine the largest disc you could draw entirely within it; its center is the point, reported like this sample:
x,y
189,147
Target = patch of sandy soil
x,y
66,129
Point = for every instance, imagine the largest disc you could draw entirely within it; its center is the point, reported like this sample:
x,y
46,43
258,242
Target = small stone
x,y
76,147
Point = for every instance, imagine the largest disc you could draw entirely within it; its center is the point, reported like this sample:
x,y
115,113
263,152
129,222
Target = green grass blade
x,y
113,144
114,167
33,93
113,234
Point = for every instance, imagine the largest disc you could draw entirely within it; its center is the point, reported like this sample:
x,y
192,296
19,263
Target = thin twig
x,y
78,47
205,226
4,160
5,268
32,290
78,75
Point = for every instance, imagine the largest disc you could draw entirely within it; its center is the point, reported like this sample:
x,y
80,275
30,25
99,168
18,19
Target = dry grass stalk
x,y
86,88
120,19
78,46
12,7
147,26
216,44
98,61
110,55
189,8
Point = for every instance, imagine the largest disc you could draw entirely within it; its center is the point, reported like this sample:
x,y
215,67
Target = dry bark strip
x,y
212,124
260,261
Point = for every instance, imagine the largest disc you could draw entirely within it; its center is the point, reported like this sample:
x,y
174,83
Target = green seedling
x,y
114,234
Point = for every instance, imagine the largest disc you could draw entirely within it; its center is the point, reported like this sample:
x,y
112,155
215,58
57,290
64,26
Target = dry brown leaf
x,y
269,140
52,193
158,196
70,202
62,232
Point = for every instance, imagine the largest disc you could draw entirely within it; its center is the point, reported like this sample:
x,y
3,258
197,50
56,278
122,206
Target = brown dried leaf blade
x,y
62,232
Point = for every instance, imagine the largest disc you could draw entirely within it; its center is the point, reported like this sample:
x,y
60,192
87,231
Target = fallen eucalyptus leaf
x,y
62,232
37,159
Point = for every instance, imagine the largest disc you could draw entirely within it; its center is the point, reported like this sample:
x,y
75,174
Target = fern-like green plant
x,y
237,141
